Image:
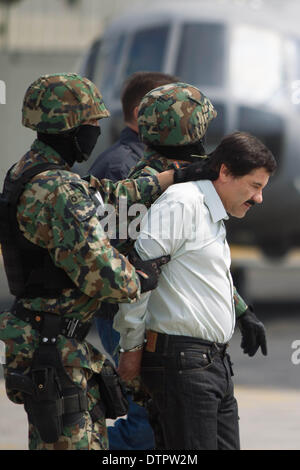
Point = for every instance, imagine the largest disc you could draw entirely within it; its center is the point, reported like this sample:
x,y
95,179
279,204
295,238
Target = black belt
x,y
68,327
163,343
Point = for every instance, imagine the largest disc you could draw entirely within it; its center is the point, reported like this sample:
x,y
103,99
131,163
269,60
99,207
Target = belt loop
x,y
166,345
215,347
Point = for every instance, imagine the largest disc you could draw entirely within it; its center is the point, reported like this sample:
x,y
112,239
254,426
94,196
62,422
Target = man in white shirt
x,y
189,319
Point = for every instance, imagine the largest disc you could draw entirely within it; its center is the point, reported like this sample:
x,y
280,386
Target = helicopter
x,y
247,61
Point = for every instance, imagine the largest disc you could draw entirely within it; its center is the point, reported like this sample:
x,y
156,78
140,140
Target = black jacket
x,y
116,162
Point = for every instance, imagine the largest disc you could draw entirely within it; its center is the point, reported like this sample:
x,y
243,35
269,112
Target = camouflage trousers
x,y
20,341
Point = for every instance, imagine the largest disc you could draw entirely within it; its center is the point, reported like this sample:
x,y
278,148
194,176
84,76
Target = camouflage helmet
x,y
174,114
60,102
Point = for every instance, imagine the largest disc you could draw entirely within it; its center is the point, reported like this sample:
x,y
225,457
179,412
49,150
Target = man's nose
x,y
258,198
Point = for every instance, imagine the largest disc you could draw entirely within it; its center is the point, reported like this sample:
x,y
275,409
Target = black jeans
x,y
189,381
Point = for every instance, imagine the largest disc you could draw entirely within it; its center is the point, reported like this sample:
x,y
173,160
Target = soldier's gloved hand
x,y
253,333
149,270
195,171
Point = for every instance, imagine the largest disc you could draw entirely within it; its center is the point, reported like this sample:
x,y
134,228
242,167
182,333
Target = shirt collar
x,y
212,200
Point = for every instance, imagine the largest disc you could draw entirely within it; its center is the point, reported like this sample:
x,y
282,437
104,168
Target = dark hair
x,y
241,153
136,87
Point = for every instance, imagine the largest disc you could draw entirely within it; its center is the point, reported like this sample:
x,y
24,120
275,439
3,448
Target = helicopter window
x,y
293,53
216,129
106,68
147,50
89,65
255,63
267,126
201,55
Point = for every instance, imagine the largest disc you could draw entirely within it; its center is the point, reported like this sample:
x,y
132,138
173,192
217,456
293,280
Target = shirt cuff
x,y
130,322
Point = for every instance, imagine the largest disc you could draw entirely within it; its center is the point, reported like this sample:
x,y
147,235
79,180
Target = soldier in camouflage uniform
x,y
67,264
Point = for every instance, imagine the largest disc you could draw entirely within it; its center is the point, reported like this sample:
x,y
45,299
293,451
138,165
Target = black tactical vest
x,y
29,268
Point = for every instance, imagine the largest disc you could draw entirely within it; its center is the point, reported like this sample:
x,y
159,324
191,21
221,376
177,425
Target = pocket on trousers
x,y
193,360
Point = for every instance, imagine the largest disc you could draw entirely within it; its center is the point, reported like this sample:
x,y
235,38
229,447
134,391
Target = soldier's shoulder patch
x,y
79,203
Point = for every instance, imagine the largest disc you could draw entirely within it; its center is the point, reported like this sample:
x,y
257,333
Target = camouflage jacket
x,y
153,163
56,212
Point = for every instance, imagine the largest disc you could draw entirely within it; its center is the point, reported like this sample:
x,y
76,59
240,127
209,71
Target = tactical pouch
x,y
45,406
112,392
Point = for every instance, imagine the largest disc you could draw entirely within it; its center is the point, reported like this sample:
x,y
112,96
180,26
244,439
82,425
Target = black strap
x,y
50,325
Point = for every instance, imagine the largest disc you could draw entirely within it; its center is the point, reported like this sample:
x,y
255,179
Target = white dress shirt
x,y
194,296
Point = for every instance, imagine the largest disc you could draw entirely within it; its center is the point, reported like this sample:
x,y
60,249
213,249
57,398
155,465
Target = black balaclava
x,y
75,145
180,152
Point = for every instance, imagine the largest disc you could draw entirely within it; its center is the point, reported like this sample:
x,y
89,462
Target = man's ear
x,y
224,173
133,122
135,112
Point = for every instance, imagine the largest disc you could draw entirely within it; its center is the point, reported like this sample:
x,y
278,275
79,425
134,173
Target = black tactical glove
x,y
195,171
253,333
148,271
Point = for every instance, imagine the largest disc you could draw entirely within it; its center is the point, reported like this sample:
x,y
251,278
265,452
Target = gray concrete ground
x,y
267,389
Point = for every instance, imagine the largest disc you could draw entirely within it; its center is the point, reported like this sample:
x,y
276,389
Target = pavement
x,y
267,390
269,420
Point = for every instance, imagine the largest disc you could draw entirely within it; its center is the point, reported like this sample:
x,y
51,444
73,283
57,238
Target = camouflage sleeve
x,y
143,190
142,170
122,244
119,198
68,226
240,305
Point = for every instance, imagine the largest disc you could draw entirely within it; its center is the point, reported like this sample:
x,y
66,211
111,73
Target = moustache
x,y
251,202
